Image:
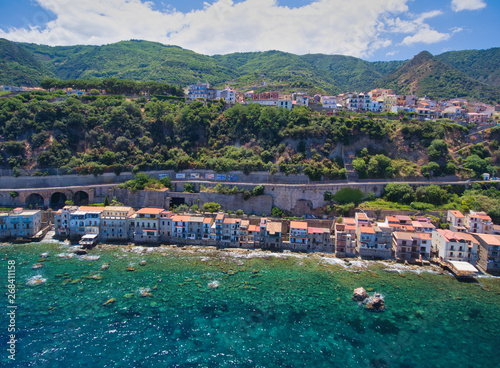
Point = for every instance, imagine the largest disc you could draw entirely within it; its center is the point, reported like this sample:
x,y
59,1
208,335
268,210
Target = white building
x,y
453,246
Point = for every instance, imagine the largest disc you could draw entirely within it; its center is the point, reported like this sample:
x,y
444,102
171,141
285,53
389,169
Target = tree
x,y
276,212
106,201
432,194
258,190
195,208
431,169
211,207
239,213
348,195
399,192
437,150
189,188
477,164
360,166
182,208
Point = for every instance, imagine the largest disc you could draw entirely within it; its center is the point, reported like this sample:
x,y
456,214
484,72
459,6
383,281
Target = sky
x,y
369,29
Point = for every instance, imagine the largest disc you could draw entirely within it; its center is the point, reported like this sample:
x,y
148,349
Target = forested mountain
x,y
473,74
19,67
427,75
482,65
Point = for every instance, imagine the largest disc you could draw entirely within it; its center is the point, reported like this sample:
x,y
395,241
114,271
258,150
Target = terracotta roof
x,y
392,219
273,227
219,216
349,221
207,220
91,208
180,218
254,228
361,216
117,208
231,221
298,225
315,230
403,218
150,211
405,235
481,217
367,229
425,236
489,239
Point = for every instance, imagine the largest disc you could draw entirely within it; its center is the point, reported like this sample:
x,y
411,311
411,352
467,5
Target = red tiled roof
x,y
298,225
315,230
149,211
367,229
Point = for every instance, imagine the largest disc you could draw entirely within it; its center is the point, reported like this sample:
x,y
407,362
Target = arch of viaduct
x,y
47,198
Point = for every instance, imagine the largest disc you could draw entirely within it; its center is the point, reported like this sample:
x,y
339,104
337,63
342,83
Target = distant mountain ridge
x,y
470,73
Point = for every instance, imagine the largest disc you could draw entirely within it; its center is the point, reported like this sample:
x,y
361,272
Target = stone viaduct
x,y
292,193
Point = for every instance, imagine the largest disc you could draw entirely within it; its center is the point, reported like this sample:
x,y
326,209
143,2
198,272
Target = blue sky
x,y
370,29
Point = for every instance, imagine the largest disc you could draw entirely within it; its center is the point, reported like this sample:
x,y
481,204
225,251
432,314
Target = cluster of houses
x,y
378,100
472,238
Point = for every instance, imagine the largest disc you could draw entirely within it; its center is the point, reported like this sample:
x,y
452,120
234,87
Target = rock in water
x,y
376,303
112,300
360,295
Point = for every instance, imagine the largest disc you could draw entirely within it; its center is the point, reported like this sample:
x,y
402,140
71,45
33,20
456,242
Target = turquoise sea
x,y
206,308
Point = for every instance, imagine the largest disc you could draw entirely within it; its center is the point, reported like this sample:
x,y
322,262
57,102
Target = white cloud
x,y
425,35
459,5
357,28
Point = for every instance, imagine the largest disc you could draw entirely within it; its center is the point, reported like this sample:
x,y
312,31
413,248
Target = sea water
x,y
169,307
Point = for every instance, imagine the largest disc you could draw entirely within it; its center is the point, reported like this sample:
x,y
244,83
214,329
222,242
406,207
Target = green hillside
x,y
471,74
139,60
18,67
482,65
348,72
426,75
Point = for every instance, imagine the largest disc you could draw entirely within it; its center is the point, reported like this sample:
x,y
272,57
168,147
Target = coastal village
x,y
471,241
378,100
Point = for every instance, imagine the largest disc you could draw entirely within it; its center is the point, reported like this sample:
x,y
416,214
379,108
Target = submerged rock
x,y
130,269
142,263
112,300
213,284
360,295
37,265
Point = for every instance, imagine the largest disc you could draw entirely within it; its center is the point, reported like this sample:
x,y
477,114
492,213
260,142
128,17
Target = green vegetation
x,y
427,75
211,207
111,134
145,182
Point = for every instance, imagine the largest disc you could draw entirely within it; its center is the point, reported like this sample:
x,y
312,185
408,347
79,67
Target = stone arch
x,y
57,200
34,200
81,198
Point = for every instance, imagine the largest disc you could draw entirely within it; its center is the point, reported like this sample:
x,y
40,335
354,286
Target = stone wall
x,y
229,202
141,198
